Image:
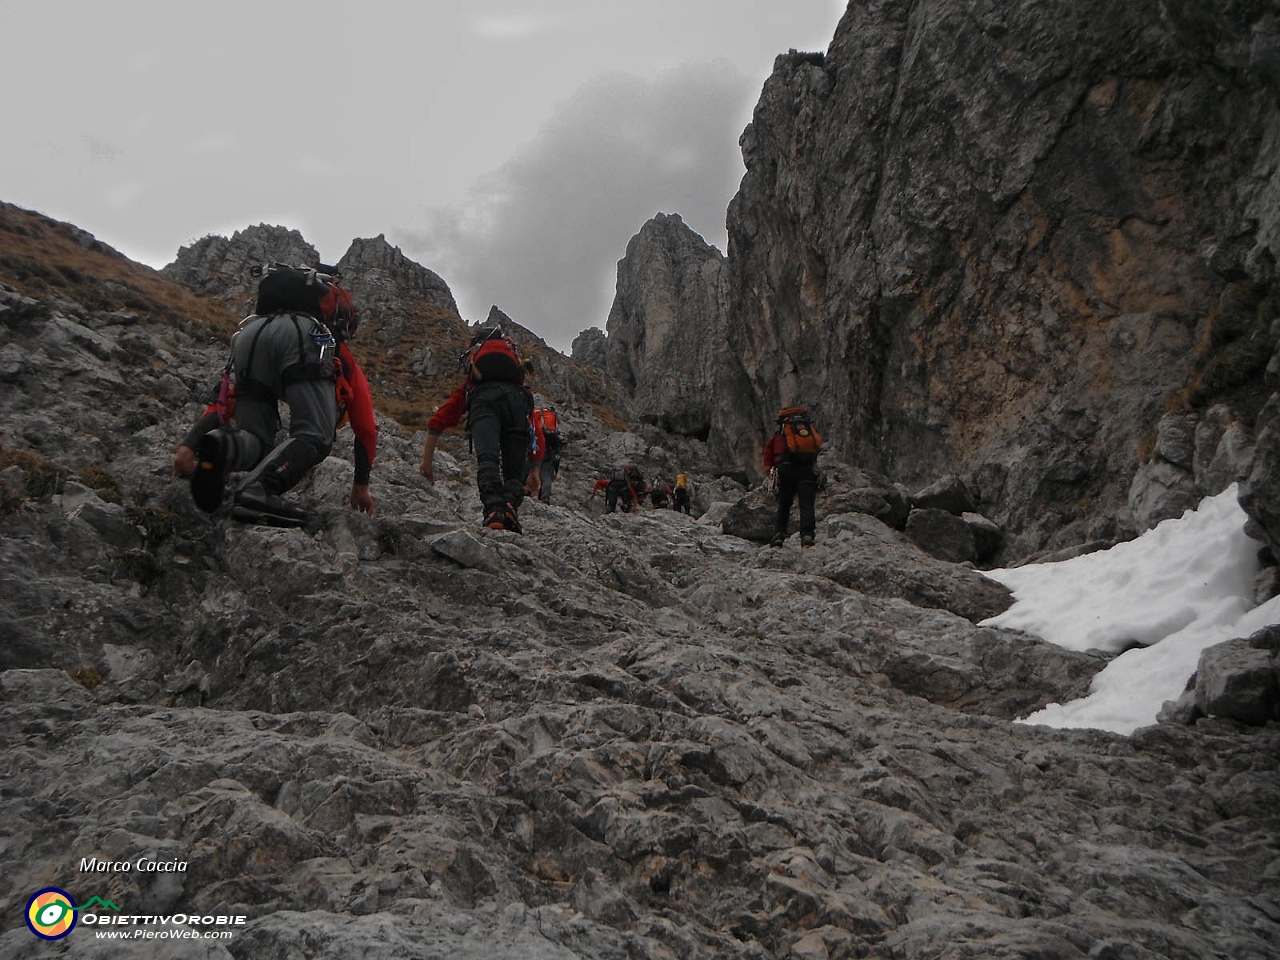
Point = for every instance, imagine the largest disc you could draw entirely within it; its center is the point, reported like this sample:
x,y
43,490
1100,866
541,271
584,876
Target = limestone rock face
x,y
1001,240
1260,473
589,348
666,332
388,288
1260,492
381,276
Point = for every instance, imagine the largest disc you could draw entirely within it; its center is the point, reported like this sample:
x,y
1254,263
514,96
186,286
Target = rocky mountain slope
x,y
411,332
617,736
998,240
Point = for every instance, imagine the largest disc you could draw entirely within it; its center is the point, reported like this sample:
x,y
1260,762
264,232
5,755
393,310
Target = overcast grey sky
x,y
512,147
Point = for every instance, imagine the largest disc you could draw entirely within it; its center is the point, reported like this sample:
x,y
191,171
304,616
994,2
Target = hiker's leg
x,y
486,441
547,472
312,414
786,495
257,423
515,442
266,352
807,492
515,461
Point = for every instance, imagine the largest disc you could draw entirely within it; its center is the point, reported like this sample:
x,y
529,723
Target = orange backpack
x,y
799,433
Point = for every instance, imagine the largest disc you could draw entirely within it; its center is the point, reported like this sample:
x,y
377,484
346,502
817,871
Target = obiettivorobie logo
x,y
51,913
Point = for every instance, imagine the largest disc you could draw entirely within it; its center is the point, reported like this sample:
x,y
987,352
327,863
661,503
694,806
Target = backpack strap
x,y
303,371
251,388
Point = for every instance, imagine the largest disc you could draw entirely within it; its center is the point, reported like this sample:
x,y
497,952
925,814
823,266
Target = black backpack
x,y
292,289
313,291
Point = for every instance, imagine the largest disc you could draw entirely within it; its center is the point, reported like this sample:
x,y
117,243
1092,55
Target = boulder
x,y
947,493
1239,681
942,534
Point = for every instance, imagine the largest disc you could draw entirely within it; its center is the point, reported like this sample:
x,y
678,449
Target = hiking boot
x,y
778,540
503,518
511,521
254,505
495,520
806,540
208,483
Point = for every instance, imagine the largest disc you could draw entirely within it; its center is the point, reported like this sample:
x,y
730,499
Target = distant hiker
x,y
292,348
619,491
793,453
682,494
625,487
548,421
660,494
498,407
639,489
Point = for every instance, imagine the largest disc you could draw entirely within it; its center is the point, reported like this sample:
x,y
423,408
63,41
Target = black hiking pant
x,y
681,499
618,490
796,481
498,417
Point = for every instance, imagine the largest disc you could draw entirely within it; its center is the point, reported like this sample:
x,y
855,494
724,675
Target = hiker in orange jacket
x,y
793,453
547,420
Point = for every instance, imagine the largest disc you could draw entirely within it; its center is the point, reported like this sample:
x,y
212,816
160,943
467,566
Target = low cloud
x,y
511,27
541,235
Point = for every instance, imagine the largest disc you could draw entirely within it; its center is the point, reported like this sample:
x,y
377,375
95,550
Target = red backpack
x,y
495,358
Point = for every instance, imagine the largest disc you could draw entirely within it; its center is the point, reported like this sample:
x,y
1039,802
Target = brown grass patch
x,y
101,481
43,258
40,478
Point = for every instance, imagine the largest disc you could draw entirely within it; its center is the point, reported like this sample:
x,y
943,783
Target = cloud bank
x,y
541,234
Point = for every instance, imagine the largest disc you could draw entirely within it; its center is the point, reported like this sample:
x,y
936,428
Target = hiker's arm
x,y
427,467
361,499
184,461
360,410
207,421
533,482
364,463
184,458
450,413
